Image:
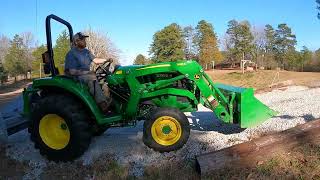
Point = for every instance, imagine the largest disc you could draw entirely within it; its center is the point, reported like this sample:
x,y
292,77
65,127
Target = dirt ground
x,y
302,162
9,168
10,91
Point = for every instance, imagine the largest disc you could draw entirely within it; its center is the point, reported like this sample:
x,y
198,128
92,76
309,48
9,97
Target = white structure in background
x,y
212,65
244,62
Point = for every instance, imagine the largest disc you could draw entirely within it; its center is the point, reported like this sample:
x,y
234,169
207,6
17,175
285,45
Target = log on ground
x,y
248,154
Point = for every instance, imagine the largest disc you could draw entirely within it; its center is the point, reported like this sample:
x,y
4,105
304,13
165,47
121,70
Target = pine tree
x,y
270,35
168,44
317,55
3,74
306,57
15,62
140,59
241,39
37,54
285,42
270,45
206,41
61,49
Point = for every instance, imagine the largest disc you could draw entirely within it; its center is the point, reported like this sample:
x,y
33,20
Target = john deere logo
x,y
197,76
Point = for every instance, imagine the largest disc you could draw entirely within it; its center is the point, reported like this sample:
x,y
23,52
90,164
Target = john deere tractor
x,y
63,116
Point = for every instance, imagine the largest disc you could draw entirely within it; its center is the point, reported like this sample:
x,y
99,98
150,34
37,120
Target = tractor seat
x,y
66,76
69,77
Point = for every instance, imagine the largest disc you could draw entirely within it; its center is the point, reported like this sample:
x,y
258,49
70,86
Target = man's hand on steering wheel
x,y
103,68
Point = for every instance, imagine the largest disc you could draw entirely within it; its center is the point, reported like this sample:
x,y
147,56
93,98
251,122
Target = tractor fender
x,y
78,90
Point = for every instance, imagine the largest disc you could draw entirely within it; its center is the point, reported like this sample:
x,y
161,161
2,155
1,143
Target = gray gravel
x,y
296,105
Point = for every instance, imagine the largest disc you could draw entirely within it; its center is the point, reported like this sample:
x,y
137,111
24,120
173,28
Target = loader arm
x,y
213,98
230,104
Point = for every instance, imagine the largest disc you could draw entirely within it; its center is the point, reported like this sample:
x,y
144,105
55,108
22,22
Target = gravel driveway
x,y
296,105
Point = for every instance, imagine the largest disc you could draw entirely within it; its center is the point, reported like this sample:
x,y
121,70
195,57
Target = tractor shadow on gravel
x,y
207,121
306,117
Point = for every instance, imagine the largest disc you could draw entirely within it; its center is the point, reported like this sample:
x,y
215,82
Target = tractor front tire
x,y
59,128
166,129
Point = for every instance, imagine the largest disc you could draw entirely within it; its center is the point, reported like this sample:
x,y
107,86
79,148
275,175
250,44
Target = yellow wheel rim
x,y
166,130
54,131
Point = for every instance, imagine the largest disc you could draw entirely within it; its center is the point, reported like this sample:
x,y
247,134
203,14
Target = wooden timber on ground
x,y
248,154
11,125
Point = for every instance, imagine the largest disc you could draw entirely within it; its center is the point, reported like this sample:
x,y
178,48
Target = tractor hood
x,y
124,69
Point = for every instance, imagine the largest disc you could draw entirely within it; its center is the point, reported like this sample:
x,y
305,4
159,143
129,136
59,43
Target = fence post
x,y
212,65
40,70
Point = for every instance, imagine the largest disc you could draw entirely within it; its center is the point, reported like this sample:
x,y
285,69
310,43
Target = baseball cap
x,y
79,35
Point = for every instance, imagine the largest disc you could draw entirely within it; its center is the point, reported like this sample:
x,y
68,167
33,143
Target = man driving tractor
x,y
77,64
63,117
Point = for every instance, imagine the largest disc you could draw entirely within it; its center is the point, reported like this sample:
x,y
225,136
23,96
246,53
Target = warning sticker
x,y
197,76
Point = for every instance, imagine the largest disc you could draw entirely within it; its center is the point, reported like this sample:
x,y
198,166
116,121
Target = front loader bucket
x,y
248,110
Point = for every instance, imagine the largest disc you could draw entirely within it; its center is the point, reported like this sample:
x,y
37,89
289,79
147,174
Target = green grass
x,y
267,167
302,162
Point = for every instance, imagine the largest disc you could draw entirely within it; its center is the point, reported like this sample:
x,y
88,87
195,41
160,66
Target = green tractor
x,y
63,116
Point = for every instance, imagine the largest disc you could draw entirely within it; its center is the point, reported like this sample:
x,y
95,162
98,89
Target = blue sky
x,y
131,24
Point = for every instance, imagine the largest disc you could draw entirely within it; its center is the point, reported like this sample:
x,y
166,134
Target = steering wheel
x,y
103,69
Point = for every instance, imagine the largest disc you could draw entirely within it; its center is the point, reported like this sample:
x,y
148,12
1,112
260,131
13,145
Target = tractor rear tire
x,y
166,129
59,128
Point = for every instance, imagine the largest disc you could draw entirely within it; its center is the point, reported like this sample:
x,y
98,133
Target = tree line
x,y
267,46
16,55
21,54
175,43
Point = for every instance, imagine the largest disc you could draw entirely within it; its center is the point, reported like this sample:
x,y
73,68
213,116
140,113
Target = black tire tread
x,y
158,112
77,121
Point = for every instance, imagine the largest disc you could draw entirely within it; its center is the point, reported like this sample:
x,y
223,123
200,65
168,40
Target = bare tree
x,y
190,49
260,43
225,42
28,40
29,45
101,46
227,45
4,46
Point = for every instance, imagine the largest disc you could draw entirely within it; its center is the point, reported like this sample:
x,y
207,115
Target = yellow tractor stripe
x,y
150,67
